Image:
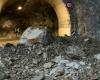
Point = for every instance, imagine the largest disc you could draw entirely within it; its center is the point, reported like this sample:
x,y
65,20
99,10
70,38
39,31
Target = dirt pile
x,y
55,61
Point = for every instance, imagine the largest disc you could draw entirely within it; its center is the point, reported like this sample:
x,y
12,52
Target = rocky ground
x,y
63,59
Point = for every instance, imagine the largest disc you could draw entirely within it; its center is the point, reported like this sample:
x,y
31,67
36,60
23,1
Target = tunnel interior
x,y
15,17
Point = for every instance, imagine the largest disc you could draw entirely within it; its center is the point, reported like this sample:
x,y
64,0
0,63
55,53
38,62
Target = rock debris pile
x,y
55,61
46,57
36,35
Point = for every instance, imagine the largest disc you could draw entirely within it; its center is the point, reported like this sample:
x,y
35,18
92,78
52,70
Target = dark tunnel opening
x,y
17,16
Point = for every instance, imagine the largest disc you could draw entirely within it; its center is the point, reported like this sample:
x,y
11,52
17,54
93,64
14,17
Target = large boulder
x,y
36,35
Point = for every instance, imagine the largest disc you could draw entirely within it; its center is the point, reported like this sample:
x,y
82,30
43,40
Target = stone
x,y
37,71
57,71
73,65
82,63
97,56
35,61
45,56
39,77
1,64
86,39
26,67
48,65
63,62
36,35
58,59
68,78
67,71
40,52
2,75
75,52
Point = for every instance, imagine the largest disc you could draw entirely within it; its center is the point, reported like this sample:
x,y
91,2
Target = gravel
x,y
55,61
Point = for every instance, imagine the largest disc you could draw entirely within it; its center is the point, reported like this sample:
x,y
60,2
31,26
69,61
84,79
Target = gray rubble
x,y
97,56
36,35
55,61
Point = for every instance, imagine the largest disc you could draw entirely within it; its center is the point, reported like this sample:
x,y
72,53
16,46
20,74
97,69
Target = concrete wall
x,y
63,16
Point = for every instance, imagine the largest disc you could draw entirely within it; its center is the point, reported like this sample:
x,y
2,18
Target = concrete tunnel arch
x,y
64,22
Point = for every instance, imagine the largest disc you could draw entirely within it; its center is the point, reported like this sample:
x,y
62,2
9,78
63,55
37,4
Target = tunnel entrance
x,y
16,16
15,20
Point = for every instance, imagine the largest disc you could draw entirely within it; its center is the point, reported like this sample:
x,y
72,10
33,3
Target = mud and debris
x,y
59,60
